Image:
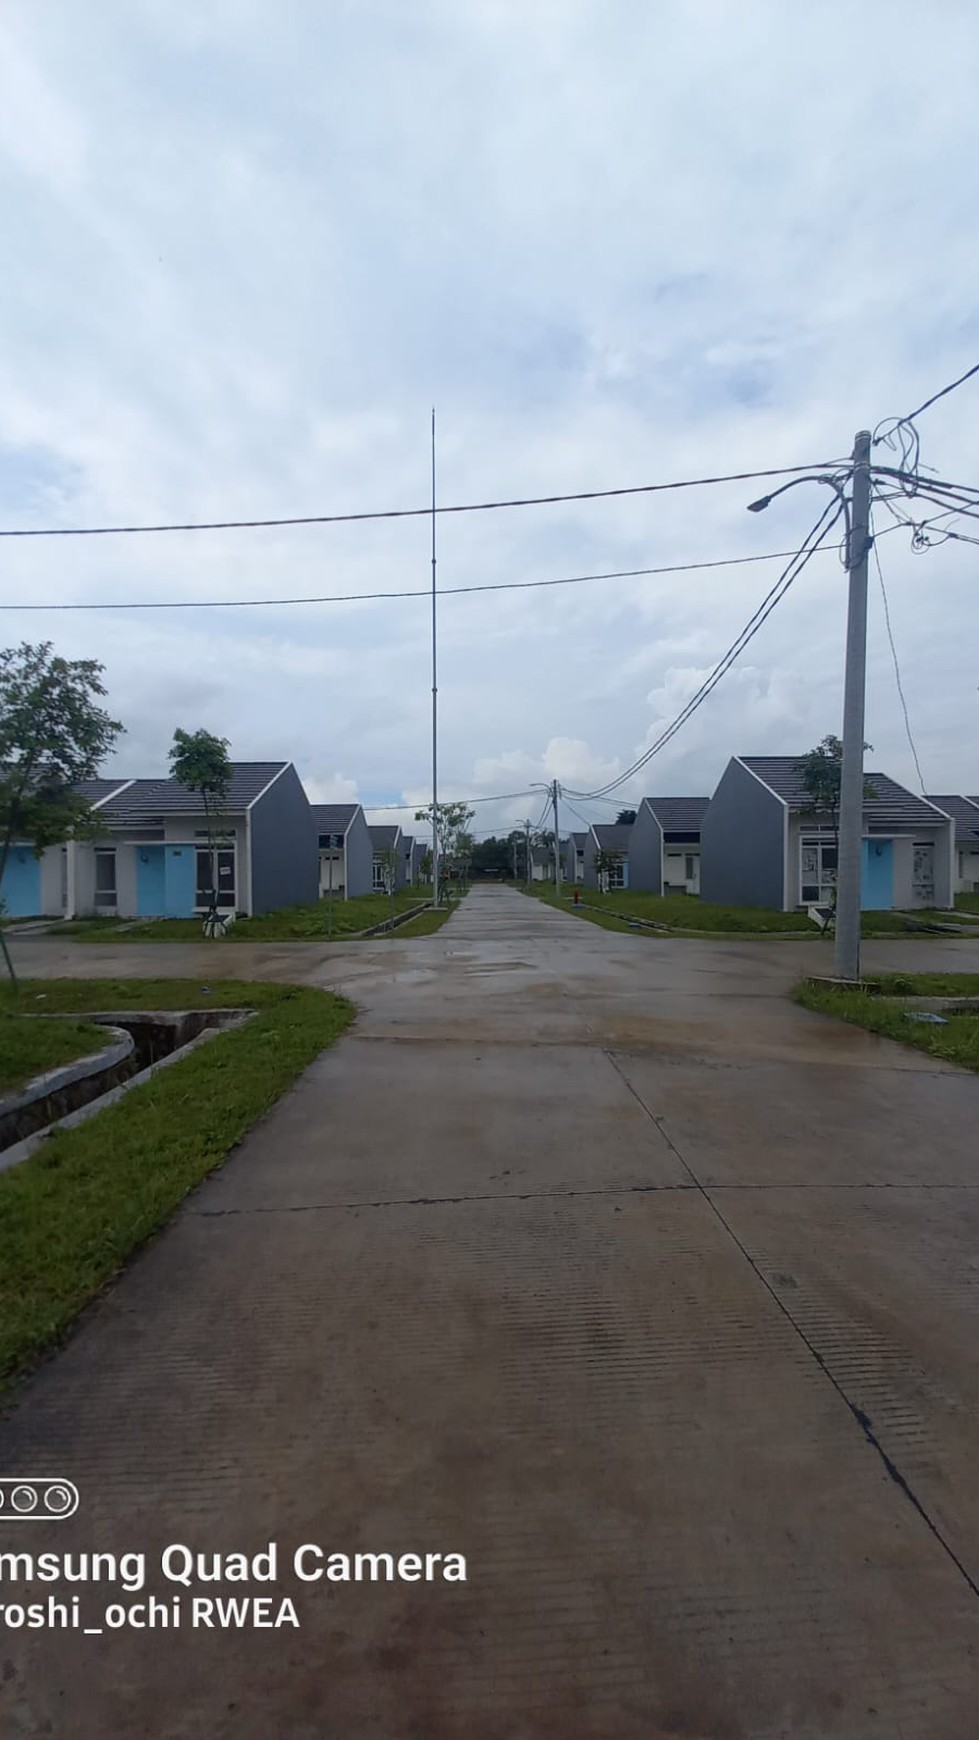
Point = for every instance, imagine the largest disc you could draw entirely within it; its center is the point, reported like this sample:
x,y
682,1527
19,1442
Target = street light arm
x,y
764,501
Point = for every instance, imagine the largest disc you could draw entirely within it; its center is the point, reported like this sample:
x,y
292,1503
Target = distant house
x,y
386,838
665,854
541,864
420,849
614,838
411,854
49,886
762,844
964,812
575,857
151,859
345,851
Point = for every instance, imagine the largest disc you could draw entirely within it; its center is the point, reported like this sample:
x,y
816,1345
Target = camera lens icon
x,y
23,1499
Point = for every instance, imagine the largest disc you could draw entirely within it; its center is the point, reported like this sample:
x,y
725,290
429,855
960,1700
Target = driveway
x,y
590,1258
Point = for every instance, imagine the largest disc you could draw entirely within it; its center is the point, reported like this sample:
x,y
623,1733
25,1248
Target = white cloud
x,y
243,258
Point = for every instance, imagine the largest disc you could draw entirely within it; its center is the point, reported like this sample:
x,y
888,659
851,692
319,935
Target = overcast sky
x,y
248,247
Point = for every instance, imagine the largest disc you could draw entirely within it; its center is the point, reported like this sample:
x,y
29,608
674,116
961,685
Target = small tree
x,y
821,773
626,817
199,760
448,823
53,735
606,860
387,857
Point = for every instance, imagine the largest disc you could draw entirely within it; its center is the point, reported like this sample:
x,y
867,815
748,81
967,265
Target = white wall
x,y
675,865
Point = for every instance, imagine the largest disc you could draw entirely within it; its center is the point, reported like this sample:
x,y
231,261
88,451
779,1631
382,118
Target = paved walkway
x,y
589,1257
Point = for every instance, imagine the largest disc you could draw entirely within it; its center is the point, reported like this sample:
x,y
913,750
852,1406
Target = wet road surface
x,y
590,1258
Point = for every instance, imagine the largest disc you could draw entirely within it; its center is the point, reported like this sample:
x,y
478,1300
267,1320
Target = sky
x,y
247,249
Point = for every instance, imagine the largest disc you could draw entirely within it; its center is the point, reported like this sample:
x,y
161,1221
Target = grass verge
x,y
72,1213
30,1048
290,924
885,1003
687,913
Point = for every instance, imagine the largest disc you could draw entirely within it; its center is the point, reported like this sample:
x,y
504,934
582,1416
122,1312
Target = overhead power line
x,y
472,507
500,797
416,592
897,667
942,394
820,531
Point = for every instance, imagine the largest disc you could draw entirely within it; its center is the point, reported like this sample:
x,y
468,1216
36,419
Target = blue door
x,y
181,881
21,887
877,880
150,882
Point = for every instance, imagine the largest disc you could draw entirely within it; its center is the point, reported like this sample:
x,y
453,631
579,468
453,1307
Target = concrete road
x,y
590,1258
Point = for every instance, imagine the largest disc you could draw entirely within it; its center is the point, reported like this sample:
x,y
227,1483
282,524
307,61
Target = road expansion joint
x,y
862,1420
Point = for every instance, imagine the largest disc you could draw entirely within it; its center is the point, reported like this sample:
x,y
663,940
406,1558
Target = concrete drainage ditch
x,y
140,1042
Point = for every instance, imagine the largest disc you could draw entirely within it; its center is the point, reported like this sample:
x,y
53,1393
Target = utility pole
x,y
526,862
513,843
557,842
850,866
435,741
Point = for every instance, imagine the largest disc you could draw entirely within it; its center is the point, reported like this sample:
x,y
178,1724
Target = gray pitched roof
x,y
408,842
95,791
149,800
613,836
964,813
681,815
579,841
892,806
333,818
383,835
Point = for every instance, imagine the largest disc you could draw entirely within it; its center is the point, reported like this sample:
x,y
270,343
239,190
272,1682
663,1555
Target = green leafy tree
x,y
821,772
626,817
606,860
449,824
199,761
53,735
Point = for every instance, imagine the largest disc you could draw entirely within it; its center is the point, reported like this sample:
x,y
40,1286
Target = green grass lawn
x,y
676,910
290,924
29,1048
885,1002
687,912
72,1213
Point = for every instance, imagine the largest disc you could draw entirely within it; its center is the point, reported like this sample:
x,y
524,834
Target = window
x,y
105,877
615,875
378,878
226,878
817,865
331,842
690,867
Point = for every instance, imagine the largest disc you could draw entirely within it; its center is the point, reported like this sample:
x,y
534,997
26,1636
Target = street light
x,y
856,513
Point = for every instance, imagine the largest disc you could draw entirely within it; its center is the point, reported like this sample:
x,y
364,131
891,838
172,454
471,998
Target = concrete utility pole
x,y
435,734
557,841
850,866
526,863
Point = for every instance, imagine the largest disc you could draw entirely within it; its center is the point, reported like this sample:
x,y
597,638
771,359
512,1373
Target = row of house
x,y
151,859
757,842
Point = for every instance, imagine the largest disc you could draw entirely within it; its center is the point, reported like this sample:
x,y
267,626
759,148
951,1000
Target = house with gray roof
x,y
615,839
664,857
50,886
575,857
386,838
346,855
151,857
764,844
964,812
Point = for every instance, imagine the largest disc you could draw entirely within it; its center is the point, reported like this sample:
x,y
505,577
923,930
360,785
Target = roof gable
x,y
678,814
333,818
150,800
891,806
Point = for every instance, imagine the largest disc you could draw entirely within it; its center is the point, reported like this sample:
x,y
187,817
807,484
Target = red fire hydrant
x,y
577,897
